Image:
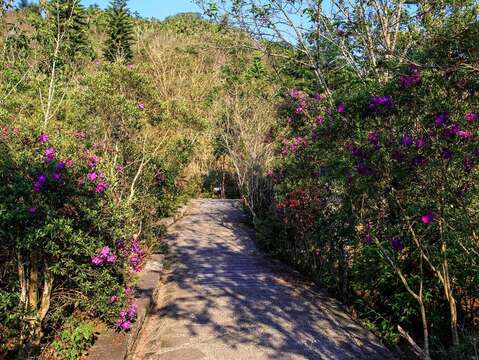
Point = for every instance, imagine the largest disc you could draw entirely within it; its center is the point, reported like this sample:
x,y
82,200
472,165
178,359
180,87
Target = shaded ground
x,y
223,300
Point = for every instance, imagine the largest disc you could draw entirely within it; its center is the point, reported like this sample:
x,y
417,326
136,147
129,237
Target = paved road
x,y
223,300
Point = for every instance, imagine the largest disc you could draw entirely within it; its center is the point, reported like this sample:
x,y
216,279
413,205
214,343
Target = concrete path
x,y
223,300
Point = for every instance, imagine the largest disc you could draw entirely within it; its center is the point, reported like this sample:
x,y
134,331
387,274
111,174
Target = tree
x,y
363,35
120,29
23,4
70,17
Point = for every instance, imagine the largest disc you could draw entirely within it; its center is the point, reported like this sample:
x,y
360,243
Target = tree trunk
x,y
23,280
446,282
452,305
37,308
33,282
223,180
424,329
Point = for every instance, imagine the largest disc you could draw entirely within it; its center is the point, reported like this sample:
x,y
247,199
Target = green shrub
x,y
377,198
73,340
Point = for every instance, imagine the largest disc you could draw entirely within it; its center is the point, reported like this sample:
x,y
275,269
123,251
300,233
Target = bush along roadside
x,y
376,198
72,241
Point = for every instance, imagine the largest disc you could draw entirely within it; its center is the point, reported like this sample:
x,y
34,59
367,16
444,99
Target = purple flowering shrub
x,y
396,169
81,203
73,241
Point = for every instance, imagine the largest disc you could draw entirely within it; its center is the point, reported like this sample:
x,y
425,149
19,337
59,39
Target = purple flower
x,y
130,66
136,247
427,218
363,170
104,252
96,260
92,176
120,169
446,154
135,262
381,101
463,134
49,154
101,187
373,137
32,210
397,244
420,143
317,97
452,130
471,116
355,151
111,258
120,245
419,160
341,108
406,140
132,311
60,166
298,94
97,62
81,135
113,299
57,176
93,161
441,119
125,325
398,156
39,182
43,138
141,106
299,110
407,81
42,178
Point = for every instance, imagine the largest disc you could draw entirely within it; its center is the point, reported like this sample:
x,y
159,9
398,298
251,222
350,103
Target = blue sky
x,y
153,8
158,9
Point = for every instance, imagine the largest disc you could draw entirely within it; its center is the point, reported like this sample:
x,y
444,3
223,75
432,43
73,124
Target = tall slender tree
x,y
64,28
70,15
120,32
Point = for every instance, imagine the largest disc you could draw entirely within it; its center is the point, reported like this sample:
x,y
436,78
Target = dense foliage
x,y
351,134
94,152
377,199
373,191
120,32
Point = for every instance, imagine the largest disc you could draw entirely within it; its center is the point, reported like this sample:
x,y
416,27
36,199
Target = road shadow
x,y
222,287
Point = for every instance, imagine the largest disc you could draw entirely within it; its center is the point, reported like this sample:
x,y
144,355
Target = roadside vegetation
x,y
348,128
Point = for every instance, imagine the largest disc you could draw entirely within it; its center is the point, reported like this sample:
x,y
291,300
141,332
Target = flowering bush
x,y
94,154
395,211
61,223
